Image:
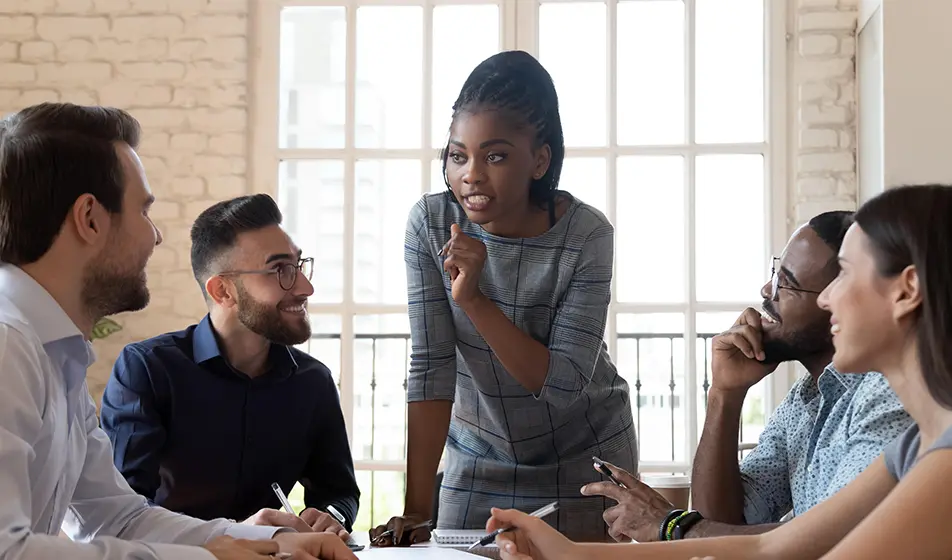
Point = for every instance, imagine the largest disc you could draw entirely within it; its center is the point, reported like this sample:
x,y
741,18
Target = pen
x,y
406,531
600,467
540,513
284,499
337,515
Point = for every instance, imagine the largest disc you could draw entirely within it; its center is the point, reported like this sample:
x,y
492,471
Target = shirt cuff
x,y
254,532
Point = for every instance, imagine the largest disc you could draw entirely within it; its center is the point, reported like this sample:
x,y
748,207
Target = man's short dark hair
x,y
831,228
50,155
218,227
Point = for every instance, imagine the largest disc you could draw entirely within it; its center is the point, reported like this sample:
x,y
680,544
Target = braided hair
x,y
515,82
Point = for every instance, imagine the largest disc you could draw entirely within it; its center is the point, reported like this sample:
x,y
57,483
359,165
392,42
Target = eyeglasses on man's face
x,y
776,284
287,273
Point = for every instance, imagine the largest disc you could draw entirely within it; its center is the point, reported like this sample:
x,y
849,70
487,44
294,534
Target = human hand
x,y
403,531
227,548
465,257
640,509
322,522
274,518
737,354
314,546
532,539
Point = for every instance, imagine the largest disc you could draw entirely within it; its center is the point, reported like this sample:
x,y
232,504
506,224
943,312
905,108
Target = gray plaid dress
x,y
508,447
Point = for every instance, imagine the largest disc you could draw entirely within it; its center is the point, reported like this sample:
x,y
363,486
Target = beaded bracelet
x,y
663,531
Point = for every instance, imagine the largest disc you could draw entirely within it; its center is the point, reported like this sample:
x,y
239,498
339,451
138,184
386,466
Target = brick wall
x,y
180,66
823,139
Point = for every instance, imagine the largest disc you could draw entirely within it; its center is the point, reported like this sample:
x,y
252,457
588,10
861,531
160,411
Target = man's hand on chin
x,y
314,546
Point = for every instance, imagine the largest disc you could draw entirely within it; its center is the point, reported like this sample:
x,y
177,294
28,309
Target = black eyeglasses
x,y
776,286
287,273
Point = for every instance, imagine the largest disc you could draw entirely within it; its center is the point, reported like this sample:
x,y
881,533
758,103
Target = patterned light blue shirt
x,y
819,439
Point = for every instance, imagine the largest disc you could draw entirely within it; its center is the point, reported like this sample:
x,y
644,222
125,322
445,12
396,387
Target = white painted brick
x,y
188,187
157,71
9,51
80,96
214,166
132,28
824,114
189,141
817,91
160,117
150,6
826,162
8,97
848,46
846,184
74,6
18,28
17,73
74,72
228,144
847,95
111,6
818,3
226,120
163,209
217,26
203,72
37,51
153,95
75,50
846,139
163,257
56,29
814,45
818,138
822,70
827,20
816,187
223,188
28,6
230,95
187,49
196,207
806,209
36,96
154,143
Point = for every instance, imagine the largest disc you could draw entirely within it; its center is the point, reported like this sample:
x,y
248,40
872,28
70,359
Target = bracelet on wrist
x,y
663,530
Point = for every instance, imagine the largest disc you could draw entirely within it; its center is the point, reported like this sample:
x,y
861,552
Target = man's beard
x,y
107,289
796,346
266,321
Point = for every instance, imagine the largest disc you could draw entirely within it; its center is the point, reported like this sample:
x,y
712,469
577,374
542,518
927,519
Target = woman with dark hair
x,y
509,284
891,309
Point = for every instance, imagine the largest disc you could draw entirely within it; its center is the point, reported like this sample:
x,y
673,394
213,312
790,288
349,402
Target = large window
x,y
668,130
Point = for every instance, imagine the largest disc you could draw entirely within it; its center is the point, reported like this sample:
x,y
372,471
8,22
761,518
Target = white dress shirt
x,y
56,466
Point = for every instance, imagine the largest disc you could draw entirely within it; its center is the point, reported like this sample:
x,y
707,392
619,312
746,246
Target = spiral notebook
x,y
457,537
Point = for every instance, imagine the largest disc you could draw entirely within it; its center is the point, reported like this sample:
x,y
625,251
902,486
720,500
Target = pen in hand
x,y
540,513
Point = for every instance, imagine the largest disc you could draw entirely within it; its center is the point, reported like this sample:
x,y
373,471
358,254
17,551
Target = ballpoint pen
x,y
330,509
284,499
600,467
540,513
406,531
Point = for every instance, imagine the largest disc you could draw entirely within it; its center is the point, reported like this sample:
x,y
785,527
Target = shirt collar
x,y
845,381
37,306
205,347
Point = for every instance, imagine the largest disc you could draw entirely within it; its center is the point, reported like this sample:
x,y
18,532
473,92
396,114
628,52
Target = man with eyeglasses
x,y
827,430
204,420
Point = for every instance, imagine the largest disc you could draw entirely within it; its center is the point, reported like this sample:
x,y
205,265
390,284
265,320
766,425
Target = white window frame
x,y
519,29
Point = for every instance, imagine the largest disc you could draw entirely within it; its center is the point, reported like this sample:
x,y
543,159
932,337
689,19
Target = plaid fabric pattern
x,y
508,447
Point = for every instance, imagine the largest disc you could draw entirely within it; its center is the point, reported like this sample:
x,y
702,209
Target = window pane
x,y
312,87
389,76
730,225
381,497
650,229
386,190
324,344
311,197
463,36
381,362
729,60
650,107
572,48
586,179
651,359
437,184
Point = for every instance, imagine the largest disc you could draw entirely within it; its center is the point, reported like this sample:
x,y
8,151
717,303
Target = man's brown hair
x,y
50,155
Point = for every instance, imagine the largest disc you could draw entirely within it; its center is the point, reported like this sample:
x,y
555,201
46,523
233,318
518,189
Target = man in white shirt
x,y
75,237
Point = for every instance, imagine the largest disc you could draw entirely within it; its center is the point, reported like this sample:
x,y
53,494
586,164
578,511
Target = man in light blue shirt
x,y
828,429
75,238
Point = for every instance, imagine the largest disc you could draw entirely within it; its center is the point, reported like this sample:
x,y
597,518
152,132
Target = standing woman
x,y
509,285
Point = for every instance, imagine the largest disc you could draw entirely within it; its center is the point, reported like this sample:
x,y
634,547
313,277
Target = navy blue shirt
x,y
194,435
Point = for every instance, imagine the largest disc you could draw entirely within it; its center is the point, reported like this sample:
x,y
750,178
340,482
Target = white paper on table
x,y
405,553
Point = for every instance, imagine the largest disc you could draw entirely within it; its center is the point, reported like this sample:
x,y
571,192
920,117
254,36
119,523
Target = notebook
x,y
457,537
